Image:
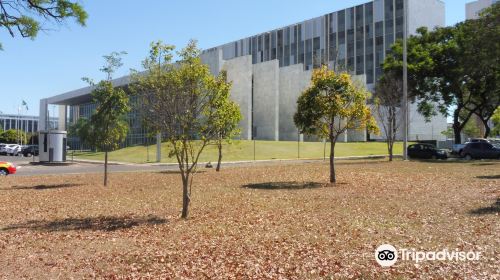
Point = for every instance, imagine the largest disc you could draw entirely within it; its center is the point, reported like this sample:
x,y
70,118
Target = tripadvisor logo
x,y
386,255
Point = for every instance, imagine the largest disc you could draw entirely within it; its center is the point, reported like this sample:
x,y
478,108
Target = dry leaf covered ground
x,y
272,221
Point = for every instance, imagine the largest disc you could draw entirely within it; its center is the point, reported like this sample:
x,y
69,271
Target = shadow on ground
x,y
91,224
493,209
43,187
284,185
178,172
489,177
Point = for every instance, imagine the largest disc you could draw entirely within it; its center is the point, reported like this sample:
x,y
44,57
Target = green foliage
x,y
225,113
107,127
448,133
454,67
184,102
24,17
496,122
471,129
330,98
12,136
330,106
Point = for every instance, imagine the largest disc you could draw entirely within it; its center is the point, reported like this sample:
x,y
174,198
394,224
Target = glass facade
x,y
27,124
137,135
356,38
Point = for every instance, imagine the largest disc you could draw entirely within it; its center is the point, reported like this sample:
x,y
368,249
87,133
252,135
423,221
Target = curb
x,y
236,162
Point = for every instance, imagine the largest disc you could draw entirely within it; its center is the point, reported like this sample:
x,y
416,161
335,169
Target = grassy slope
x,y
243,150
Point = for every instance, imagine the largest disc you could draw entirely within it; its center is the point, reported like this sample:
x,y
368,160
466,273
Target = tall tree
x,y
480,40
107,127
181,102
387,107
26,17
453,68
331,105
226,114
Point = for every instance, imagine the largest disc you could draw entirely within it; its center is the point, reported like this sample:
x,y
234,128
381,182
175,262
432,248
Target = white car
x,y
4,148
13,150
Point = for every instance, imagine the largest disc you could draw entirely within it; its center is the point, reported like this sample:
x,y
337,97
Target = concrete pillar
x,y
42,119
239,72
63,117
266,100
293,80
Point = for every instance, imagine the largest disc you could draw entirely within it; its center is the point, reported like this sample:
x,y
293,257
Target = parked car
x,y
480,150
2,149
13,150
426,151
457,148
7,168
31,150
5,150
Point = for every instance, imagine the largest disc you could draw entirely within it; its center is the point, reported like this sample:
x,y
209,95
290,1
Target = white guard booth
x,y
52,146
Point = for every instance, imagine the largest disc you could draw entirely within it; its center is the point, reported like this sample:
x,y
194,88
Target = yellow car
x,y
7,168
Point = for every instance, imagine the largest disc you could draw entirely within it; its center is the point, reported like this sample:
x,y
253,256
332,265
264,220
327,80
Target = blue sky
x,y
56,61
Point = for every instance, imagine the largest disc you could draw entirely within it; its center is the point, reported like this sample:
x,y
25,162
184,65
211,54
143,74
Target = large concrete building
x,y
474,8
271,69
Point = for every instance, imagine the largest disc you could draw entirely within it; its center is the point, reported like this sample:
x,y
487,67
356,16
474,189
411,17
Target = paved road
x,y
27,169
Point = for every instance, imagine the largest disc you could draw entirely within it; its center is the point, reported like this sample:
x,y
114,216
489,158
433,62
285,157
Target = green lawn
x,y
244,150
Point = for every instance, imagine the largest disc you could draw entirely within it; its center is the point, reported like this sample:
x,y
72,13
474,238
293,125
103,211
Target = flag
x,y
25,105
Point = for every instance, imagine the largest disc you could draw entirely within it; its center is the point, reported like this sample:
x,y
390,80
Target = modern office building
x,y
24,123
271,69
474,8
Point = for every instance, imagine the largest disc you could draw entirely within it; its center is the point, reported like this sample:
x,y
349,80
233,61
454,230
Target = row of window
x,y
25,125
357,38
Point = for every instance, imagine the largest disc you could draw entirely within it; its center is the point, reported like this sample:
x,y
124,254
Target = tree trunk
x,y
106,168
333,178
457,129
185,195
487,128
219,146
390,135
391,146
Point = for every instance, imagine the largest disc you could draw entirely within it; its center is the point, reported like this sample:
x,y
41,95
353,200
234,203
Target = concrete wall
x,y
473,9
213,58
266,100
293,80
428,13
419,129
239,72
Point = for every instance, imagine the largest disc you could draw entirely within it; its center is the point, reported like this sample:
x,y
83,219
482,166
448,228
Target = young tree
x,y
330,106
387,107
107,127
181,102
226,114
23,17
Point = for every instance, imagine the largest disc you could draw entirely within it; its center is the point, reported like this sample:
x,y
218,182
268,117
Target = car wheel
x,y
4,172
28,155
434,157
468,157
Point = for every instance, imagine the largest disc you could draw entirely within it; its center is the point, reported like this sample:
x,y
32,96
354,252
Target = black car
x,y
426,151
480,150
29,151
